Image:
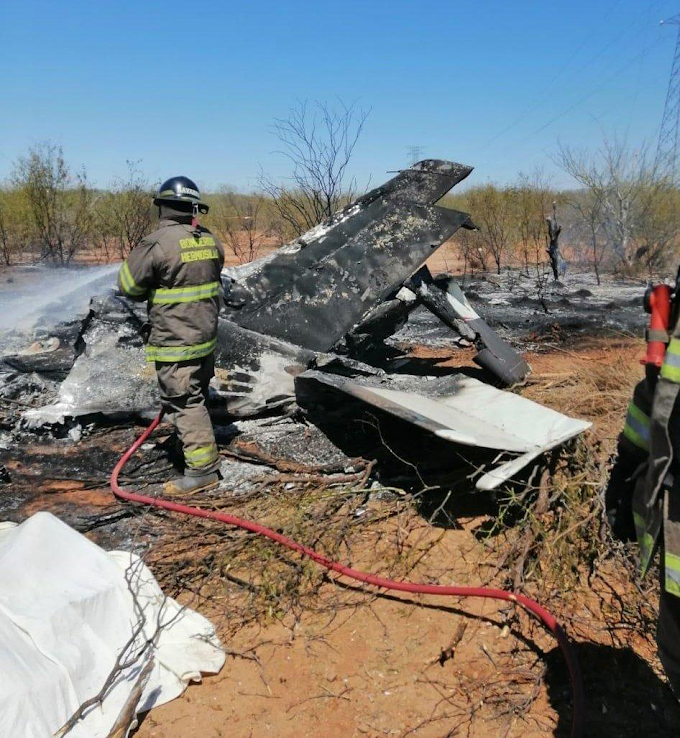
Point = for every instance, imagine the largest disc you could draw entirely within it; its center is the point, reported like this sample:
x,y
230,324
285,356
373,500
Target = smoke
x,y
40,297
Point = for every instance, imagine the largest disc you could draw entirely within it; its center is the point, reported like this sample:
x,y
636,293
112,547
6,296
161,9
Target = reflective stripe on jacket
x,y
636,429
177,269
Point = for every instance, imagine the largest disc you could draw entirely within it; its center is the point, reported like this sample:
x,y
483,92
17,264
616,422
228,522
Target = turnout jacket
x,y
646,476
177,270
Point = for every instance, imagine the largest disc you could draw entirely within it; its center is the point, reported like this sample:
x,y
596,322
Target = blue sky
x,y
193,88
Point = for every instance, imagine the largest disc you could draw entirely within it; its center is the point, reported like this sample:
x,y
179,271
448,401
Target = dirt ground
x,y
350,662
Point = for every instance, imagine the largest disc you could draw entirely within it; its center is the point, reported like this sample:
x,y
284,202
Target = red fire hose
x,y
431,589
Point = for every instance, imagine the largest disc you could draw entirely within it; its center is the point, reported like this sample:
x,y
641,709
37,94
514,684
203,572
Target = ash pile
x,y
521,308
309,377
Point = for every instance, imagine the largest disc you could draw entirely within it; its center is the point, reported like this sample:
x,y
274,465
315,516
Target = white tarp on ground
x,y
66,611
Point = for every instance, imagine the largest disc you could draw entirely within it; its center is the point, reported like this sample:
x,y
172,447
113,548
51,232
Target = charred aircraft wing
x,y
316,290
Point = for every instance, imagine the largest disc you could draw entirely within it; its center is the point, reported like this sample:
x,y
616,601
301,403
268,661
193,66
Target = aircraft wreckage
x,y
302,333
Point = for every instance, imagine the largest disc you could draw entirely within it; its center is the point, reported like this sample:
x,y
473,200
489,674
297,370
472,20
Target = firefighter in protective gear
x,y
176,269
643,495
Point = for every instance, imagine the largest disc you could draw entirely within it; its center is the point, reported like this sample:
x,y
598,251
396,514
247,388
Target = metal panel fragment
x,y
472,414
302,321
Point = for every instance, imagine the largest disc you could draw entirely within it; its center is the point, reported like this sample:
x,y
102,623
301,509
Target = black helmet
x,y
180,189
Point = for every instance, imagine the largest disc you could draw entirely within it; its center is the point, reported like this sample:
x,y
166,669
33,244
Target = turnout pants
x,y
184,390
668,637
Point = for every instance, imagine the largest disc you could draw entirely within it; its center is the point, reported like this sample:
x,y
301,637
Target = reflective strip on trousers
x,y
636,429
672,573
128,283
174,354
201,456
645,541
194,293
670,369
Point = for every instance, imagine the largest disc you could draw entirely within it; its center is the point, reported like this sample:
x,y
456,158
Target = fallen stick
x,y
128,712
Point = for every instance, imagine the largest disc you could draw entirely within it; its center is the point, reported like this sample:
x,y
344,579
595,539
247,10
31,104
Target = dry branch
x,y
128,712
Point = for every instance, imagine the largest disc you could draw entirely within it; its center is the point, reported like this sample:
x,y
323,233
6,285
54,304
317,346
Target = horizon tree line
x,y
623,216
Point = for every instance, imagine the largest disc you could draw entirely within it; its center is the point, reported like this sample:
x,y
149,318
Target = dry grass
x,y
552,530
591,381
255,580
548,530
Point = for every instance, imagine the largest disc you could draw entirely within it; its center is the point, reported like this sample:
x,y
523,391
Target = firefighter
x,y
643,495
176,269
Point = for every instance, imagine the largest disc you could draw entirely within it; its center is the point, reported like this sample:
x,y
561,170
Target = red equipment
x,y
657,303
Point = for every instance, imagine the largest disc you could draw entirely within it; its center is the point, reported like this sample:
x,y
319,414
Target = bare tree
x,y
658,229
530,199
243,223
471,251
60,202
588,206
492,212
14,231
124,213
623,183
7,247
318,143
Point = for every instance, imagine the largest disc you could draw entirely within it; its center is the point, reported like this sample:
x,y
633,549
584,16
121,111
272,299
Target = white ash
x,y
293,441
241,477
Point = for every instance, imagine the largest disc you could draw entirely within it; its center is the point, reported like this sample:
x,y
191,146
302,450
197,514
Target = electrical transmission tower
x,y
666,162
415,153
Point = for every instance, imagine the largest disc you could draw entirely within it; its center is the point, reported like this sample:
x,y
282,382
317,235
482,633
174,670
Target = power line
x,y
634,102
667,147
592,92
632,28
587,96
567,64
